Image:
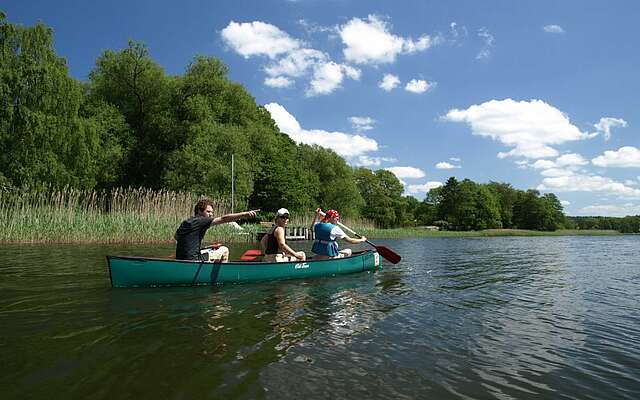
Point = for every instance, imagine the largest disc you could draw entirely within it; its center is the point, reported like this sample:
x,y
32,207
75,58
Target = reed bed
x,y
127,215
69,215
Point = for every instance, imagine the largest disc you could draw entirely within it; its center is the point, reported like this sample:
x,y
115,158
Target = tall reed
x,y
124,215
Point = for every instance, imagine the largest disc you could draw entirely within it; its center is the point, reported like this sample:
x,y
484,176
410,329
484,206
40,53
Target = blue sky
x,y
539,94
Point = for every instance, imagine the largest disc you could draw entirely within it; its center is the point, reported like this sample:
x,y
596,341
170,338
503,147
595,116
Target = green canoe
x,y
150,272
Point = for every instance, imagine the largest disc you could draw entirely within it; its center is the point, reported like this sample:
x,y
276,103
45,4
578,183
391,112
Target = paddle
x,y
385,252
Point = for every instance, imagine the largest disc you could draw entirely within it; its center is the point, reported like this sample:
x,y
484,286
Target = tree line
x,y
132,125
628,224
467,205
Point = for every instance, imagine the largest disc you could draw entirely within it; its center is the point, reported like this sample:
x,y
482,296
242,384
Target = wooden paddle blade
x,y
389,254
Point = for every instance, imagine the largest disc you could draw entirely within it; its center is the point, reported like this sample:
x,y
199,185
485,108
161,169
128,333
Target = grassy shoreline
x,y
144,216
163,233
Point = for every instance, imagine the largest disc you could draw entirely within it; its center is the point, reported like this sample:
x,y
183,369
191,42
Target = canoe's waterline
x,y
150,272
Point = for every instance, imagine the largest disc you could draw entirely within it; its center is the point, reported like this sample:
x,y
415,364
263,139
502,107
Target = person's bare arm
x,y
234,217
316,218
351,240
279,234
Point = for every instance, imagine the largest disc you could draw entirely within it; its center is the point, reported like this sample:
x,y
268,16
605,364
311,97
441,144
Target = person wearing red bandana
x,y
327,232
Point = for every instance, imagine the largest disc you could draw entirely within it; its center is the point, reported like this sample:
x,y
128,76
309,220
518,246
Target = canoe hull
x,y
151,272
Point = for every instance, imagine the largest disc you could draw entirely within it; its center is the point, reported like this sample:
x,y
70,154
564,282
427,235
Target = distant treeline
x,y
466,205
132,125
629,224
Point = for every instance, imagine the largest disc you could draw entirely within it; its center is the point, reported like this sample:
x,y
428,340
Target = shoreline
x,y
248,236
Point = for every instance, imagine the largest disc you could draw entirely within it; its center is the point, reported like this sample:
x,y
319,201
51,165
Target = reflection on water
x,y
503,318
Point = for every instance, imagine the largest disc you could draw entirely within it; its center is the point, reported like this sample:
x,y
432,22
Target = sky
x,y
539,94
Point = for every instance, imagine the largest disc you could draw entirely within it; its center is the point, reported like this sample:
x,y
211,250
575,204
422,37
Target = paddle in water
x,y
384,251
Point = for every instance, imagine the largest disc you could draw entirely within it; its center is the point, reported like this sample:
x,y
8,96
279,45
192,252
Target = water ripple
x,y
492,318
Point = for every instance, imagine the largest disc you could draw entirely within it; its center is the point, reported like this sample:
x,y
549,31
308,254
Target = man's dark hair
x,y
202,204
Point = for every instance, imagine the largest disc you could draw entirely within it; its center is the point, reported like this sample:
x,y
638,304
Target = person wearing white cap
x,y
274,245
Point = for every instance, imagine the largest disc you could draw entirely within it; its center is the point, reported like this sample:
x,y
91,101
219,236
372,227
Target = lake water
x,y
458,318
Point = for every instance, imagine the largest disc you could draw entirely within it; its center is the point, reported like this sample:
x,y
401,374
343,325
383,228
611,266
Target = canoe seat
x,y
250,255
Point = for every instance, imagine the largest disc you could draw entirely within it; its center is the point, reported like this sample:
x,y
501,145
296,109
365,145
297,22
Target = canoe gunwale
x,y
239,262
134,271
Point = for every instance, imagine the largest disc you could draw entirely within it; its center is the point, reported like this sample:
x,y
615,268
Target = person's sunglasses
x,y
286,216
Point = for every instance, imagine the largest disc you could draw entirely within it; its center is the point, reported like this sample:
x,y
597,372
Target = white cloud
x,y
588,183
553,29
407,172
312,27
289,59
422,188
257,38
328,77
564,165
362,123
624,157
369,161
565,203
446,165
611,210
369,41
457,32
487,39
286,122
605,124
570,160
296,63
555,172
543,164
418,86
389,82
344,144
455,159
529,127
278,82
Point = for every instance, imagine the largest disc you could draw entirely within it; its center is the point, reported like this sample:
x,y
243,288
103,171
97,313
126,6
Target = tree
x,y
554,217
204,164
382,194
138,88
532,211
506,196
48,133
331,179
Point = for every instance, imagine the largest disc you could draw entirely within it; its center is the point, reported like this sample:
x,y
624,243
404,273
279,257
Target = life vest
x,y
272,243
323,244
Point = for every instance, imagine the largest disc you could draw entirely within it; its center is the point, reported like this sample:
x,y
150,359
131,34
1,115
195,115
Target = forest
x,y
130,125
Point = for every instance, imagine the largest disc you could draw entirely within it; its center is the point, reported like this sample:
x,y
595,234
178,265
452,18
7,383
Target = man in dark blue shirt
x,y
192,230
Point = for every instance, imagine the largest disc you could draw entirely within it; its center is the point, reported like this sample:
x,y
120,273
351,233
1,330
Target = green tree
x,y
474,208
506,196
382,194
204,164
553,216
533,211
331,179
48,134
140,91
426,213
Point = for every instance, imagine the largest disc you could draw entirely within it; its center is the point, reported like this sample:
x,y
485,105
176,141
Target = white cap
x,y
283,211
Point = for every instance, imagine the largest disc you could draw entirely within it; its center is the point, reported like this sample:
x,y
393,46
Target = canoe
x,y
152,272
